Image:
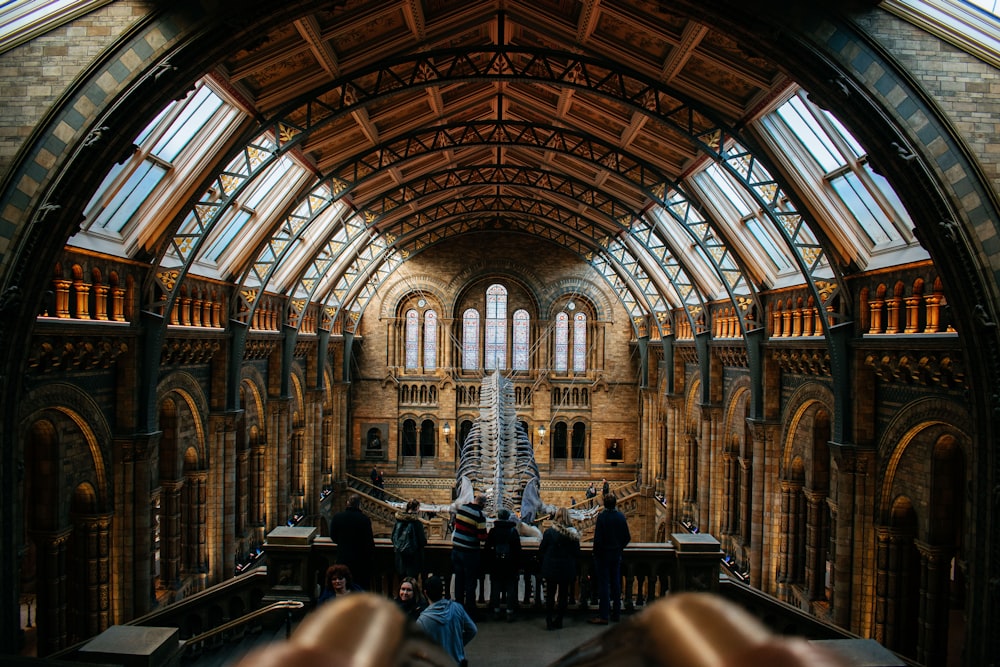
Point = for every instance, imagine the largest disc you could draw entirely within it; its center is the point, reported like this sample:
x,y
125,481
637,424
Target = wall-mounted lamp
x,y
541,435
446,429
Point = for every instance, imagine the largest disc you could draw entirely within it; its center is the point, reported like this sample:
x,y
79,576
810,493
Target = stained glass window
x,y
561,362
470,340
579,342
430,340
522,339
412,340
496,327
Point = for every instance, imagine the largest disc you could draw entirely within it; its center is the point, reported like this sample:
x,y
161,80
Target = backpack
x,y
503,549
407,540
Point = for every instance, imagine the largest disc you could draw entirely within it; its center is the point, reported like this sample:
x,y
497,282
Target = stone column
x,y
93,533
50,608
932,646
170,532
815,538
746,491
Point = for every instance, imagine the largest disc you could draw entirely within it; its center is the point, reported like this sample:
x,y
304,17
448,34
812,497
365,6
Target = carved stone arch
x,y
297,383
435,289
182,387
913,435
803,407
737,411
601,307
692,412
517,272
254,389
68,409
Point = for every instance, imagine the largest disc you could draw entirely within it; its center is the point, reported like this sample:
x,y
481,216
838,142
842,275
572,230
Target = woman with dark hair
x,y
410,599
338,582
409,540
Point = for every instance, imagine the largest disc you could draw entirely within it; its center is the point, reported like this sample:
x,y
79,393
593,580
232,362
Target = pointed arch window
x,y
496,328
412,339
561,362
430,340
522,339
579,342
470,340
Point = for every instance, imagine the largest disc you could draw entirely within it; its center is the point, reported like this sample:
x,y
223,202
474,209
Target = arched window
x,y
427,438
579,343
522,339
430,340
559,450
496,328
470,340
409,438
412,339
561,363
579,442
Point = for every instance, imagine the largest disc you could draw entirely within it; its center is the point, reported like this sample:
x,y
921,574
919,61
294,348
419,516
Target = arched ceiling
x,y
573,121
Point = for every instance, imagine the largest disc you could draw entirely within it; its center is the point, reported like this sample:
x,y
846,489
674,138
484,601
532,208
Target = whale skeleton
x,y
497,459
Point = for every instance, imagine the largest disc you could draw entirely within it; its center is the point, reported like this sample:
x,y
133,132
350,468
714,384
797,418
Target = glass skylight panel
x,y
722,180
866,211
805,128
235,225
140,184
188,123
767,243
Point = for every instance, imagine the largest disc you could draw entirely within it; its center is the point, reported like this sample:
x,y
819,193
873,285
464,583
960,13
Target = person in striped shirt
x,y
466,547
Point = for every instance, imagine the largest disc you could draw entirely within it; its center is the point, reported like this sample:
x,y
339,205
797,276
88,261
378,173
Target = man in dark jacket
x,y
611,536
503,556
351,530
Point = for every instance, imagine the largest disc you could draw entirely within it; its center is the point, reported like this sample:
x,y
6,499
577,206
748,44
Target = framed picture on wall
x,y
615,449
373,441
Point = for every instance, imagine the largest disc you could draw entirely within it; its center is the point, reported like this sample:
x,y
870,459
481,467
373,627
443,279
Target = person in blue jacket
x,y
445,621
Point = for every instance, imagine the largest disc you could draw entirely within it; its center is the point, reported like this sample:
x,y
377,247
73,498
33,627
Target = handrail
x,y
367,488
243,620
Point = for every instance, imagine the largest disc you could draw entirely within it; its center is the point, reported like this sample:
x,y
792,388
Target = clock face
x,y
422,303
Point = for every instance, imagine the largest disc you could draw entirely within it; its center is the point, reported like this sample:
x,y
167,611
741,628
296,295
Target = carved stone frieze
x,y
258,349
186,351
733,357
56,353
304,348
920,368
687,354
803,361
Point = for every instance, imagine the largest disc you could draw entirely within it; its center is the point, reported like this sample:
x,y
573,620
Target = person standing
x,y
446,622
558,551
378,482
466,548
409,540
605,487
591,491
351,530
611,536
503,555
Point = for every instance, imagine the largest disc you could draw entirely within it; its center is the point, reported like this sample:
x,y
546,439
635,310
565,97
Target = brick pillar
x,y
50,609
170,532
93,533
816,535
932,647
